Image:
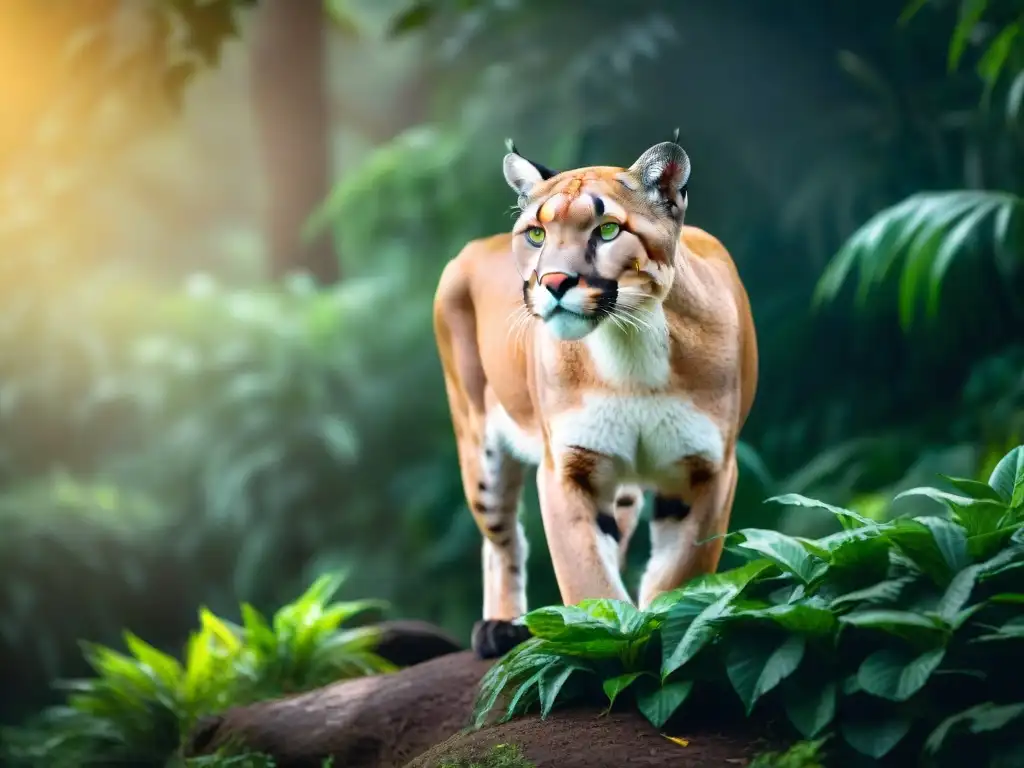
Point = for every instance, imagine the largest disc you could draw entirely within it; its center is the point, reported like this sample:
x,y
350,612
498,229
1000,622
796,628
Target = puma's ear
x,y
662,172
521,174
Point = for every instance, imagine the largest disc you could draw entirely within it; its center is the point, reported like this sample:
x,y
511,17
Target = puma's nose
x,y
557,283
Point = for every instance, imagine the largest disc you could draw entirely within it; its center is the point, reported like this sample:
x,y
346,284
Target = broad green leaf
x,y
976,515
621,616
910,626
811,706
756,666
712,586
875,736
848,518
937,547
885,592
683,637
785,551
571,626
897,674
616,685
1008,477
659,702
975,489
958,593
798,618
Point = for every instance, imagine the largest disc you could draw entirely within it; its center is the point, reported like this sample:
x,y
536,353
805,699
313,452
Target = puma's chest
x,y
646,433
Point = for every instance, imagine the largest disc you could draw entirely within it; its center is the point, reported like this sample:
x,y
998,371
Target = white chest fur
x,y
646,433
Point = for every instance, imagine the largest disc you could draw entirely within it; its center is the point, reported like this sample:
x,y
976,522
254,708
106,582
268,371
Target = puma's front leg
x,y
678,529
574,486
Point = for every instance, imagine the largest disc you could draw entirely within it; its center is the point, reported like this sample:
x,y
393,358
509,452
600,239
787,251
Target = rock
x,y
381,721
405,643
589,739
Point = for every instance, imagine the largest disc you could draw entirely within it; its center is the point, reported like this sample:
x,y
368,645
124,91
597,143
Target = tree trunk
x,y
290,106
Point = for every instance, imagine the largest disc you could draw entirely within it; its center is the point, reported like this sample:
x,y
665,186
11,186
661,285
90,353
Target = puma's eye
x,y
609,230
535,235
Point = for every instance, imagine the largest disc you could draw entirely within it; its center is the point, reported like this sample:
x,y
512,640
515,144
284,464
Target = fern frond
x,y
927,231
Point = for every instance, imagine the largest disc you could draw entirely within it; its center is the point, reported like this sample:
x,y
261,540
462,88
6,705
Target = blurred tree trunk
x,y
290,105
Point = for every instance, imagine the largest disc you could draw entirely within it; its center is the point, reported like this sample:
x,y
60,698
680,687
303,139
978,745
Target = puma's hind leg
x,y
493,481
677,527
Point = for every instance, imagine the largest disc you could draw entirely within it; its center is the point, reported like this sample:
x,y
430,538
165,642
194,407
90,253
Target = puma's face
x,y
597,245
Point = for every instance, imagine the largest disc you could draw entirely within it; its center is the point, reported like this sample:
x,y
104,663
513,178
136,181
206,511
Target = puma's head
x,y
597,244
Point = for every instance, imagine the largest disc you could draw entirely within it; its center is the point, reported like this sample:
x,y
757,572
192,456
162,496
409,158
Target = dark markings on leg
x,y
625,501
579,468
489,453
609,526
496,528
481,486
666,508
479,507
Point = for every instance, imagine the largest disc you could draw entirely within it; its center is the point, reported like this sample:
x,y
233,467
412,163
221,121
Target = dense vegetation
x,y
177,430
139,706
893,637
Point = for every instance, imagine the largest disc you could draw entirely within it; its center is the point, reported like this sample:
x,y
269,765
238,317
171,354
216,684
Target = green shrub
x,y
899,636
141,704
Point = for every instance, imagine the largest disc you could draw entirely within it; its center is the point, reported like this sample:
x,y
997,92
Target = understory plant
x,y
141,704
895,639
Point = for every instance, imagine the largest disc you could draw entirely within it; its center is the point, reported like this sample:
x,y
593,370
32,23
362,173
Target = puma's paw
x,y
495,637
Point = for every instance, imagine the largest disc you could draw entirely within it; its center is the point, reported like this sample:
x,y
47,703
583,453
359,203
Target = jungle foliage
x,y
140,705
892,637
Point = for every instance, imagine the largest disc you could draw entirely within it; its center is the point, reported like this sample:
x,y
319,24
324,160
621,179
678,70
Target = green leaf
x,y
937,547
683,636
875,736
756,666
910,10
712,586
413,18
785,551
887,591
573,628
970,13
982,718
618,615
958,593
991,64
616,685
659,702
551,684
910,626
811,706
952,244
975,489
1008,477
798,618
897,674
165,668
847,518
1014,101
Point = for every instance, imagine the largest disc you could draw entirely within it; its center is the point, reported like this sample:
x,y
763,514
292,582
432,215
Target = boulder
x,y
381,721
